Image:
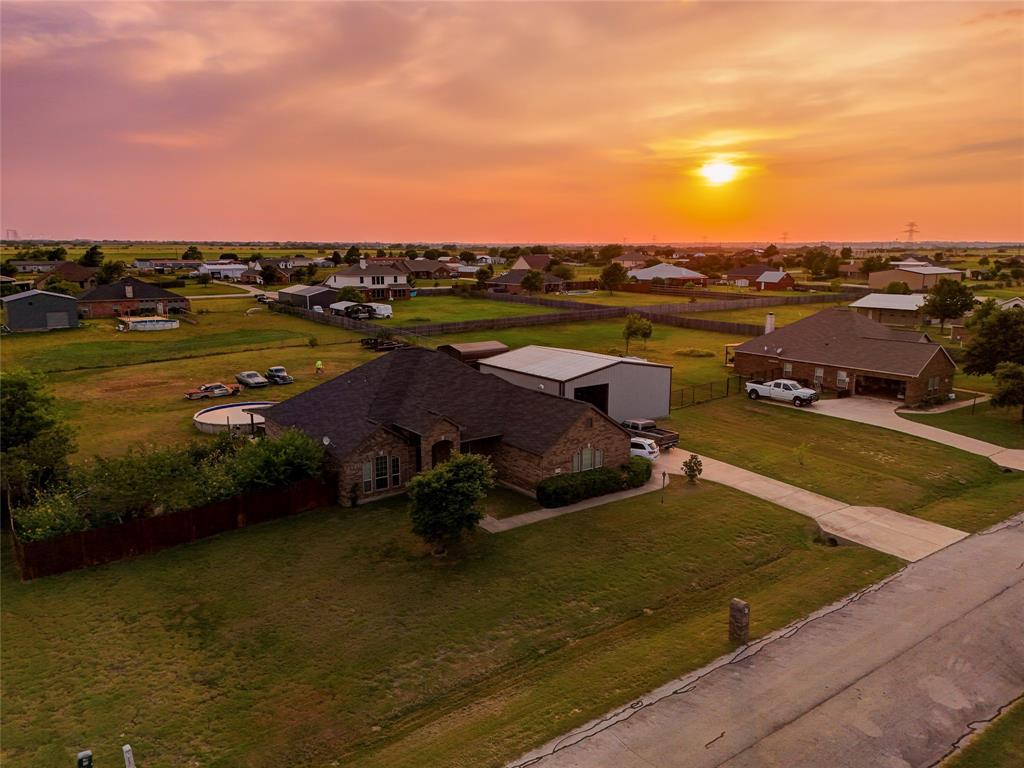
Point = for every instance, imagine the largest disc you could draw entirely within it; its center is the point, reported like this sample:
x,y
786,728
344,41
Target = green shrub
x,y
694,352
53,514
560,490
637,471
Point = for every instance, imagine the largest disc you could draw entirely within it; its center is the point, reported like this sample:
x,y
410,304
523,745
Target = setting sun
x,y
719,172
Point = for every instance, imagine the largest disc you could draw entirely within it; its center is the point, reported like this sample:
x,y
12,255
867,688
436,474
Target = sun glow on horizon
x,y
718,172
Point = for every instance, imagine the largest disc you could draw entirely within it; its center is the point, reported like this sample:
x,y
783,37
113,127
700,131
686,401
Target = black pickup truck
x,y
663,438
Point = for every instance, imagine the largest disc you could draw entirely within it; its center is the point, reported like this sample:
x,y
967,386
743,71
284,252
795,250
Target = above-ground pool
x,y
230,416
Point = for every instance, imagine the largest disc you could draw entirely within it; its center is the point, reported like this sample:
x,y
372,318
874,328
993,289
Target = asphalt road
x,y
893,676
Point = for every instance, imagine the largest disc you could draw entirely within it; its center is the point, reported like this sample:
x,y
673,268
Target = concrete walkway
x,y
895,675
882,413
875,527
495,525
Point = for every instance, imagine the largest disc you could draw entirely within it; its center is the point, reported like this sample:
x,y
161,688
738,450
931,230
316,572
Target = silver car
x,y
251,379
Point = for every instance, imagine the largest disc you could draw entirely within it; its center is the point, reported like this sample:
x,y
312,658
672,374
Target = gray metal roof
x,y
557,364
305,290
910,302
30,294
665,271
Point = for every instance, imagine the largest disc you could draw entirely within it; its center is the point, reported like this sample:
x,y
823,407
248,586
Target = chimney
x,y
769,322
128,291
362,263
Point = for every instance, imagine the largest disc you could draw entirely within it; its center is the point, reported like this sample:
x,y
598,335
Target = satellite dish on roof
x,y
325,440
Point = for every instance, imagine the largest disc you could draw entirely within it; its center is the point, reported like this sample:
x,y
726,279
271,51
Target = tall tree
x,y
335,258
352,254
613,277
1009,386
110,272
637,327
193,253
445,502
948,299
997,337
92,257
532,282
350,293
609,252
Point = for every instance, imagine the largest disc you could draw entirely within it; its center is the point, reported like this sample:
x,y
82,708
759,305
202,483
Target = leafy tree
x,y
444,502
352,255
693,467
637,327
57,254
608,253
8,270
381,253
831,268
898,287
983,261
846,252
874,264
268,272
350,293
193,253
539,249
110,272
1009,386
948,299
533,282
467,257
613,277
483,274
204,278
336,258
563,271
997,337
92,257
411,253
771,251
55,285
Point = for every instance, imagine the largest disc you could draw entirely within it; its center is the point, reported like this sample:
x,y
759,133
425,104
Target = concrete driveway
x,y
893,676
875,527
882,413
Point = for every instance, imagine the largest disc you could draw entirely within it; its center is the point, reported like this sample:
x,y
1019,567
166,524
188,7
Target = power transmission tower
x,y
10,234
785,237
910,231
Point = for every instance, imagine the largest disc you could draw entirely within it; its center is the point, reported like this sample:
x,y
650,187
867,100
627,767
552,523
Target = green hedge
x,y
561,490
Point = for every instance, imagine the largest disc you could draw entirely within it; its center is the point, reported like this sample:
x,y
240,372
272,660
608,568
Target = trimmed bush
x,y
561,490
637,471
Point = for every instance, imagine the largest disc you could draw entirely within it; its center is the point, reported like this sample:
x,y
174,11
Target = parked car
x,y
382,310
665,439
643,446
786,390
359,312
251,379
206,391
319,309
278,375
262,298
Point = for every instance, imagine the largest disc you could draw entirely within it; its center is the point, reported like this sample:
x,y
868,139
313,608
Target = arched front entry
x,y
440,452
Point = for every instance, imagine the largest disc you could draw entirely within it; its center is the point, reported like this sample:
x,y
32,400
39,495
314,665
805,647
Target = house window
x,y
787,369
933,383
367,477
377,279
587,458
394,279
819,376
361,279
380,471
841,380
396,472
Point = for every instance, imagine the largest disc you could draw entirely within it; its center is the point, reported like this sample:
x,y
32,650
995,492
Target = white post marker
x,y
84,759
129,759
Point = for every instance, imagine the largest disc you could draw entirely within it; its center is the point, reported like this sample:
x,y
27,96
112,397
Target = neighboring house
x,y
307,296
512,282
223,270
376,281
891,309
424,269
911,262
775,281
670,273
839,349
40,311
23,265
744,275
130,296
251,277
537,261
166,265
853,268
622,387
1015,303
70,272
915,278
958,331
412,408
632,260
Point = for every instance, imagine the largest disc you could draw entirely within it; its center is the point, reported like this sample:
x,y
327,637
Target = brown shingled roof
x,y
843,338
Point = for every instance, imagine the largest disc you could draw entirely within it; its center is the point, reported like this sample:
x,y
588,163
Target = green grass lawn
x,y
1001,426
784,314
210,289
504,502
424,310
999,745
333,638
856,463
629,299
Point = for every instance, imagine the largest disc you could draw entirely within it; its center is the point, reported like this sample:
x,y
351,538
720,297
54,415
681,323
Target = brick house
x,y
537,261
412,408
775,281
130,296
69,272
512,282
840,350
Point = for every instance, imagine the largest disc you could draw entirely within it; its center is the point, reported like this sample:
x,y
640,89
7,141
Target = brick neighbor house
x,y
775,280
537,261
129,296
412,408
512,282
841,350
69,272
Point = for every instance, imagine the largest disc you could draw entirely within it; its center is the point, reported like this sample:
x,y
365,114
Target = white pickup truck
x,y
782,389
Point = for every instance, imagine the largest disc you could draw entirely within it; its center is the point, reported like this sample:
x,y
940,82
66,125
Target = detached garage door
x,y
57,320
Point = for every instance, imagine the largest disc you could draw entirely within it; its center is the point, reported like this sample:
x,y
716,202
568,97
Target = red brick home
x,y
69,272
840,350
512,282
412,408
774,280
130,296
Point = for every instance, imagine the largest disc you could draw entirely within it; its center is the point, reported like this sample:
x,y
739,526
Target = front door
x,y
440,452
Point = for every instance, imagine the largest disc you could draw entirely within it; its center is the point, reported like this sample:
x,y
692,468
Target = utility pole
x,y
910,231
785,237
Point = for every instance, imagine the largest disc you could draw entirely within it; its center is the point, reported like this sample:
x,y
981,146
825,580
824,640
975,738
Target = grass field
x,y
784,314
333,638
999,745
210,289
629,299
856,463
450,309
1001,426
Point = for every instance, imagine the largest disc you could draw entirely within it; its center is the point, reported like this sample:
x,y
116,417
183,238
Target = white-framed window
x,y
787,369
361,279
367,477
380,471
587,458
819,376
842,380
377,279
396,471
933,383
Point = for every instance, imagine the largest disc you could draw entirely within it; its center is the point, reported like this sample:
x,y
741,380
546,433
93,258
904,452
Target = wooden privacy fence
x,y
151,534
703,393
718,326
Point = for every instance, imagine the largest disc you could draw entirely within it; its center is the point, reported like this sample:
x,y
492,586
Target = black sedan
x,y
278,375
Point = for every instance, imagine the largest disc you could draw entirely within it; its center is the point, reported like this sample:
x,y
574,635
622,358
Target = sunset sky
x,y
504,122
